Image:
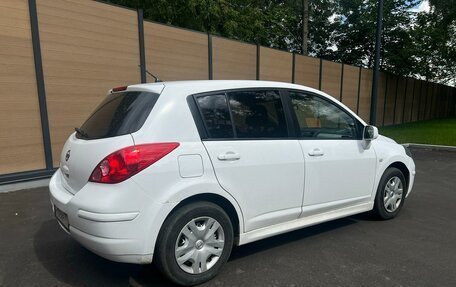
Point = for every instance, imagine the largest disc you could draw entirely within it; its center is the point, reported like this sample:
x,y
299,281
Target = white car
x,y
178,172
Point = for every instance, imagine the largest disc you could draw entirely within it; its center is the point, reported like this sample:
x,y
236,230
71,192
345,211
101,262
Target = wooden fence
x,y
59,57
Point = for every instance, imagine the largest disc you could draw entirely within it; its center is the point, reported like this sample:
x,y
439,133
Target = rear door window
x,y
119,114
258,114
216,115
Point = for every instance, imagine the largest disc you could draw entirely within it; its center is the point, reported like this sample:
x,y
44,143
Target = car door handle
x,y
229,156
316,152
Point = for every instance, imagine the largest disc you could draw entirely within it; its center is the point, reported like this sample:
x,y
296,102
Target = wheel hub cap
x,y
199,245
393,194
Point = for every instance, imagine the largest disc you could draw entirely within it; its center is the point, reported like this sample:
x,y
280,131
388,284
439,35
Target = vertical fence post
x,y
378,36
258,61
430,103
321,71
384,102
209,54
405,100
425,90
448,109
341,82
413,101
293,65
359,89
142,53
40,84
419,101
395,100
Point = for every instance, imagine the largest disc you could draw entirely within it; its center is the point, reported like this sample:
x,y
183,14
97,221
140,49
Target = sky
x,y
423,6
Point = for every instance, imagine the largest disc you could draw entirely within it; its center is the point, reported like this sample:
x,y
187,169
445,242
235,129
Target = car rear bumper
x,y
118,222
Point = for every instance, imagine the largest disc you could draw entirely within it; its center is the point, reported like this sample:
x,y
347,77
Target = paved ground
x,y
418,248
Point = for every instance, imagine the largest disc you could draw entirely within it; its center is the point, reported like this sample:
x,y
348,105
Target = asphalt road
x,y
418,248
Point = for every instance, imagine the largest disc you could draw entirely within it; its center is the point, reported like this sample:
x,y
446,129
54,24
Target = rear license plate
x,y
62,217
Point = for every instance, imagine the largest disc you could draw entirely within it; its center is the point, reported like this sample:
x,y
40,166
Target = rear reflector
x,y
124,163
118,89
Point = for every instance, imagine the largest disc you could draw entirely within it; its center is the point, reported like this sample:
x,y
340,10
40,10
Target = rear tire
x,y
194,243
390,196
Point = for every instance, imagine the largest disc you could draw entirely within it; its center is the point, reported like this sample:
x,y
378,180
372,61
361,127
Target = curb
x,y
431,147
10,187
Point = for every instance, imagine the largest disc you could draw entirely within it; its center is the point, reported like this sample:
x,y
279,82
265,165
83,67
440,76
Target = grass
x,y
436,132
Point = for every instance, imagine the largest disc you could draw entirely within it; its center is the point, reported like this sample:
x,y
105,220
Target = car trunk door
x,y
79,158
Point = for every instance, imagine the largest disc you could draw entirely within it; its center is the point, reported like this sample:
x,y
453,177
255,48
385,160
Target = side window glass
x,y
216,115
258,114
321,119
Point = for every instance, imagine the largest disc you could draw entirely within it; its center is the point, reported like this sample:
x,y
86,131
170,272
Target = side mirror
x,y
370,133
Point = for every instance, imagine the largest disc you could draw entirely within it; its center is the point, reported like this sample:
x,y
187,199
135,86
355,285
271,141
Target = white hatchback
x,y
178,172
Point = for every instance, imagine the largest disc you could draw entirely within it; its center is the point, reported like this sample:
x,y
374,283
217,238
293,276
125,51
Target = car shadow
x,y
71,263
74,265
290,237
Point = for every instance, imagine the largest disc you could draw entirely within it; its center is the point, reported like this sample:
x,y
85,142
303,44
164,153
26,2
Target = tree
x,y
435,37
356,35
413,44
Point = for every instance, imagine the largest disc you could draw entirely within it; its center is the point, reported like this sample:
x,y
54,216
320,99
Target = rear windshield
x,y
119,114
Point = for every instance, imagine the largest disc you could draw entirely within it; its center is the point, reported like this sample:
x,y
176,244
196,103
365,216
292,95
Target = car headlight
x,y
407,151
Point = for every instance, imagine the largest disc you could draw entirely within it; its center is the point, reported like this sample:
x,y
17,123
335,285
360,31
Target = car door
x,y
253,157
339,170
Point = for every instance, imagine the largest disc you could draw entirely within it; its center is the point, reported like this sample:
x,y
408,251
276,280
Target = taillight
x,y
119,89
124,163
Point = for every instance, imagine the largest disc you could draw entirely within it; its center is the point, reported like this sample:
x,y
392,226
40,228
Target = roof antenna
x,y
157,80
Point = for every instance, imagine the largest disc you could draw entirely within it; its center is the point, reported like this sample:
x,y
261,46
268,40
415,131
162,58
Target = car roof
x,y
200,86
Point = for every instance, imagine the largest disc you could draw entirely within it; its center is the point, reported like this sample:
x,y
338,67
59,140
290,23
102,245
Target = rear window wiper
x,y
81,133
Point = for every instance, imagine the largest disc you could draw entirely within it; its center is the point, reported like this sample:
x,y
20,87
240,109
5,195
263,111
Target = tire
x,y
388,202
178,238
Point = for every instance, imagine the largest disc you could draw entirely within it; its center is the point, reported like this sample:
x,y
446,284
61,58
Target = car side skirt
x,y
276,229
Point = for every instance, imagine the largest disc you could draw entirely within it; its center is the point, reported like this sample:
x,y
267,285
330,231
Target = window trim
x,y
200,123
358,125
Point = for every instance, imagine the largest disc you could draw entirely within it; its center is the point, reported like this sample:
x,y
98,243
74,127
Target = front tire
x,y
390,195
194,243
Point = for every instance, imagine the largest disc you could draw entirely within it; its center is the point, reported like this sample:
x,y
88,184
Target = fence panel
x,y
87,48
440,102
307,71
350,87
365,90
381,98
422,103
434,100
451,102
416,99
408,102
399,101
390,100
331,78
447,111
21,142
428,101
275,65
175,54
233,60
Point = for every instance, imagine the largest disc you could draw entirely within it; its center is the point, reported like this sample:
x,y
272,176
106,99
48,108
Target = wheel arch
x,y
224,203
403,168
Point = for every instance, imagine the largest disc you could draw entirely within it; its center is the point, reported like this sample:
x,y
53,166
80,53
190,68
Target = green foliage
x,y
434,37
413,44
437,132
